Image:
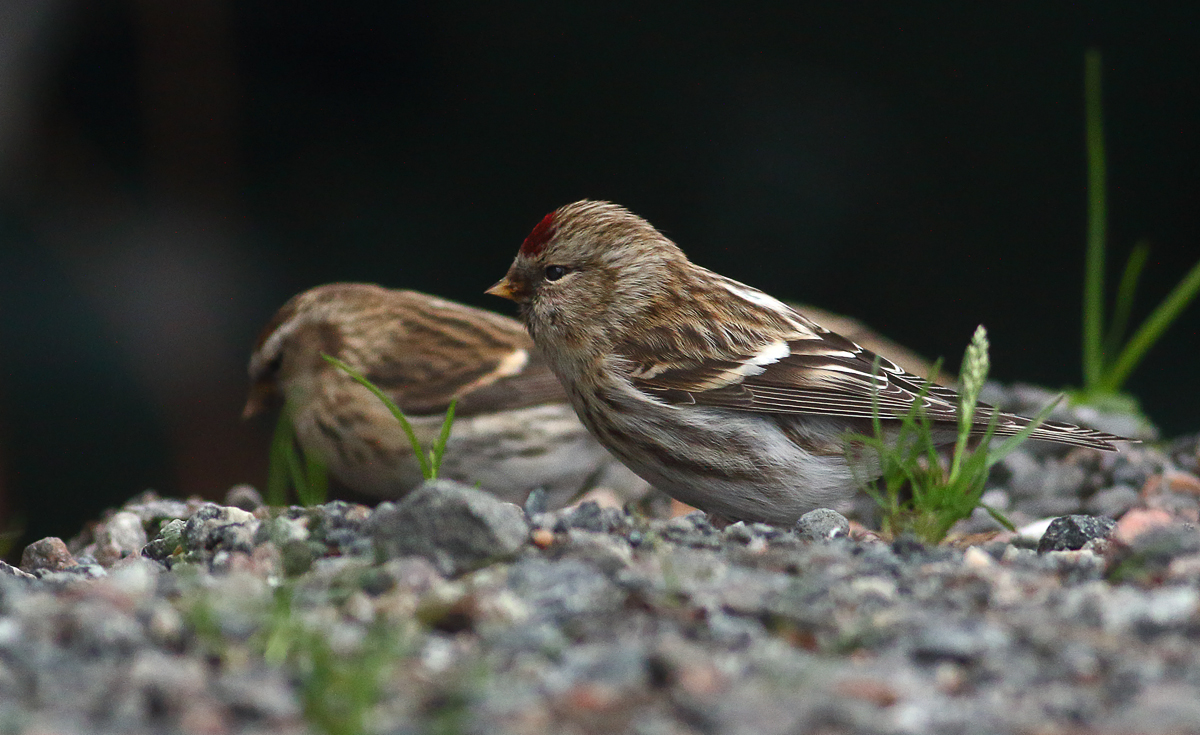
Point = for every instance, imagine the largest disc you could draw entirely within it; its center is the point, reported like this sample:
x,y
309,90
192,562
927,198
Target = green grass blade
x,y
439,447
426,470
285,468
296,471
284,465
1125,297
1152,329
316,481
279,633
998,517
277,463
1093,286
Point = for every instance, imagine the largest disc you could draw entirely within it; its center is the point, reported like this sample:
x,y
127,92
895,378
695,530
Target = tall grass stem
x,y
1125,297
1150,331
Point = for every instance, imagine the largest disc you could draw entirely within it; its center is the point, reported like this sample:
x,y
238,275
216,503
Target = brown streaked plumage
x,y
713,391
513,430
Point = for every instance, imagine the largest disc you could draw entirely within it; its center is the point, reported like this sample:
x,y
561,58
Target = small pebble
x,y
120,536
1112,501
1070,533
823,524
1139,521
536,502
1173,481
49,553
244,497
976,558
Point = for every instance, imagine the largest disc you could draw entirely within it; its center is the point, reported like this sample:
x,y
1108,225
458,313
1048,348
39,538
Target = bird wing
x,y
518,380
811,370
815,373
485,361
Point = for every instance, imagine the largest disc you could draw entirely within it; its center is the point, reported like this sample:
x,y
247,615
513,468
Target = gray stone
x,y
1063,478
101,628
693,529
1135,473
1112,502
589,516
562,589
413,573
232,537
608,552
8,570
1152,552
1049,482
1151,610
609,664
1070,533
207,527
281,529
49,553
168,541
455,526
1051,505
86,567
1022,473
296,556
263,695
1186,453
536,502
120,536
339,525
823,524
950,642
172,682
739,532
244,497
154,510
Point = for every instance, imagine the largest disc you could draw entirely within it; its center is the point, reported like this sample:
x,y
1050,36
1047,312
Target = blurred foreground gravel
x,y
452,612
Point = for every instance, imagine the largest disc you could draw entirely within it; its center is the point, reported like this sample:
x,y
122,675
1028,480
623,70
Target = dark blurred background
x,y
170,173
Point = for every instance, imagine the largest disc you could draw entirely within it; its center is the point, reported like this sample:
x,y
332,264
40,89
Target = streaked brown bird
x,y
716,393
513,431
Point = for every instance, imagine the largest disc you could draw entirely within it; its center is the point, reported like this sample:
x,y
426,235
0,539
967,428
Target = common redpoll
x,y
714,392
513,430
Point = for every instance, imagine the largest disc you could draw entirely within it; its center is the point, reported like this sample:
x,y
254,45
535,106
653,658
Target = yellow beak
x,y
503,289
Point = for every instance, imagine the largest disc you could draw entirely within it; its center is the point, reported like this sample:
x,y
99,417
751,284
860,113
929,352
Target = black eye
x,y
555,272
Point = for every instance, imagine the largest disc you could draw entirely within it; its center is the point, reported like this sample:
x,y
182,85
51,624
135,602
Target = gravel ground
x,y
451,612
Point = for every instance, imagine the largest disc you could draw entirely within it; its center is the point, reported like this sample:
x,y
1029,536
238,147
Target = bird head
x,y
287,355
586,270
